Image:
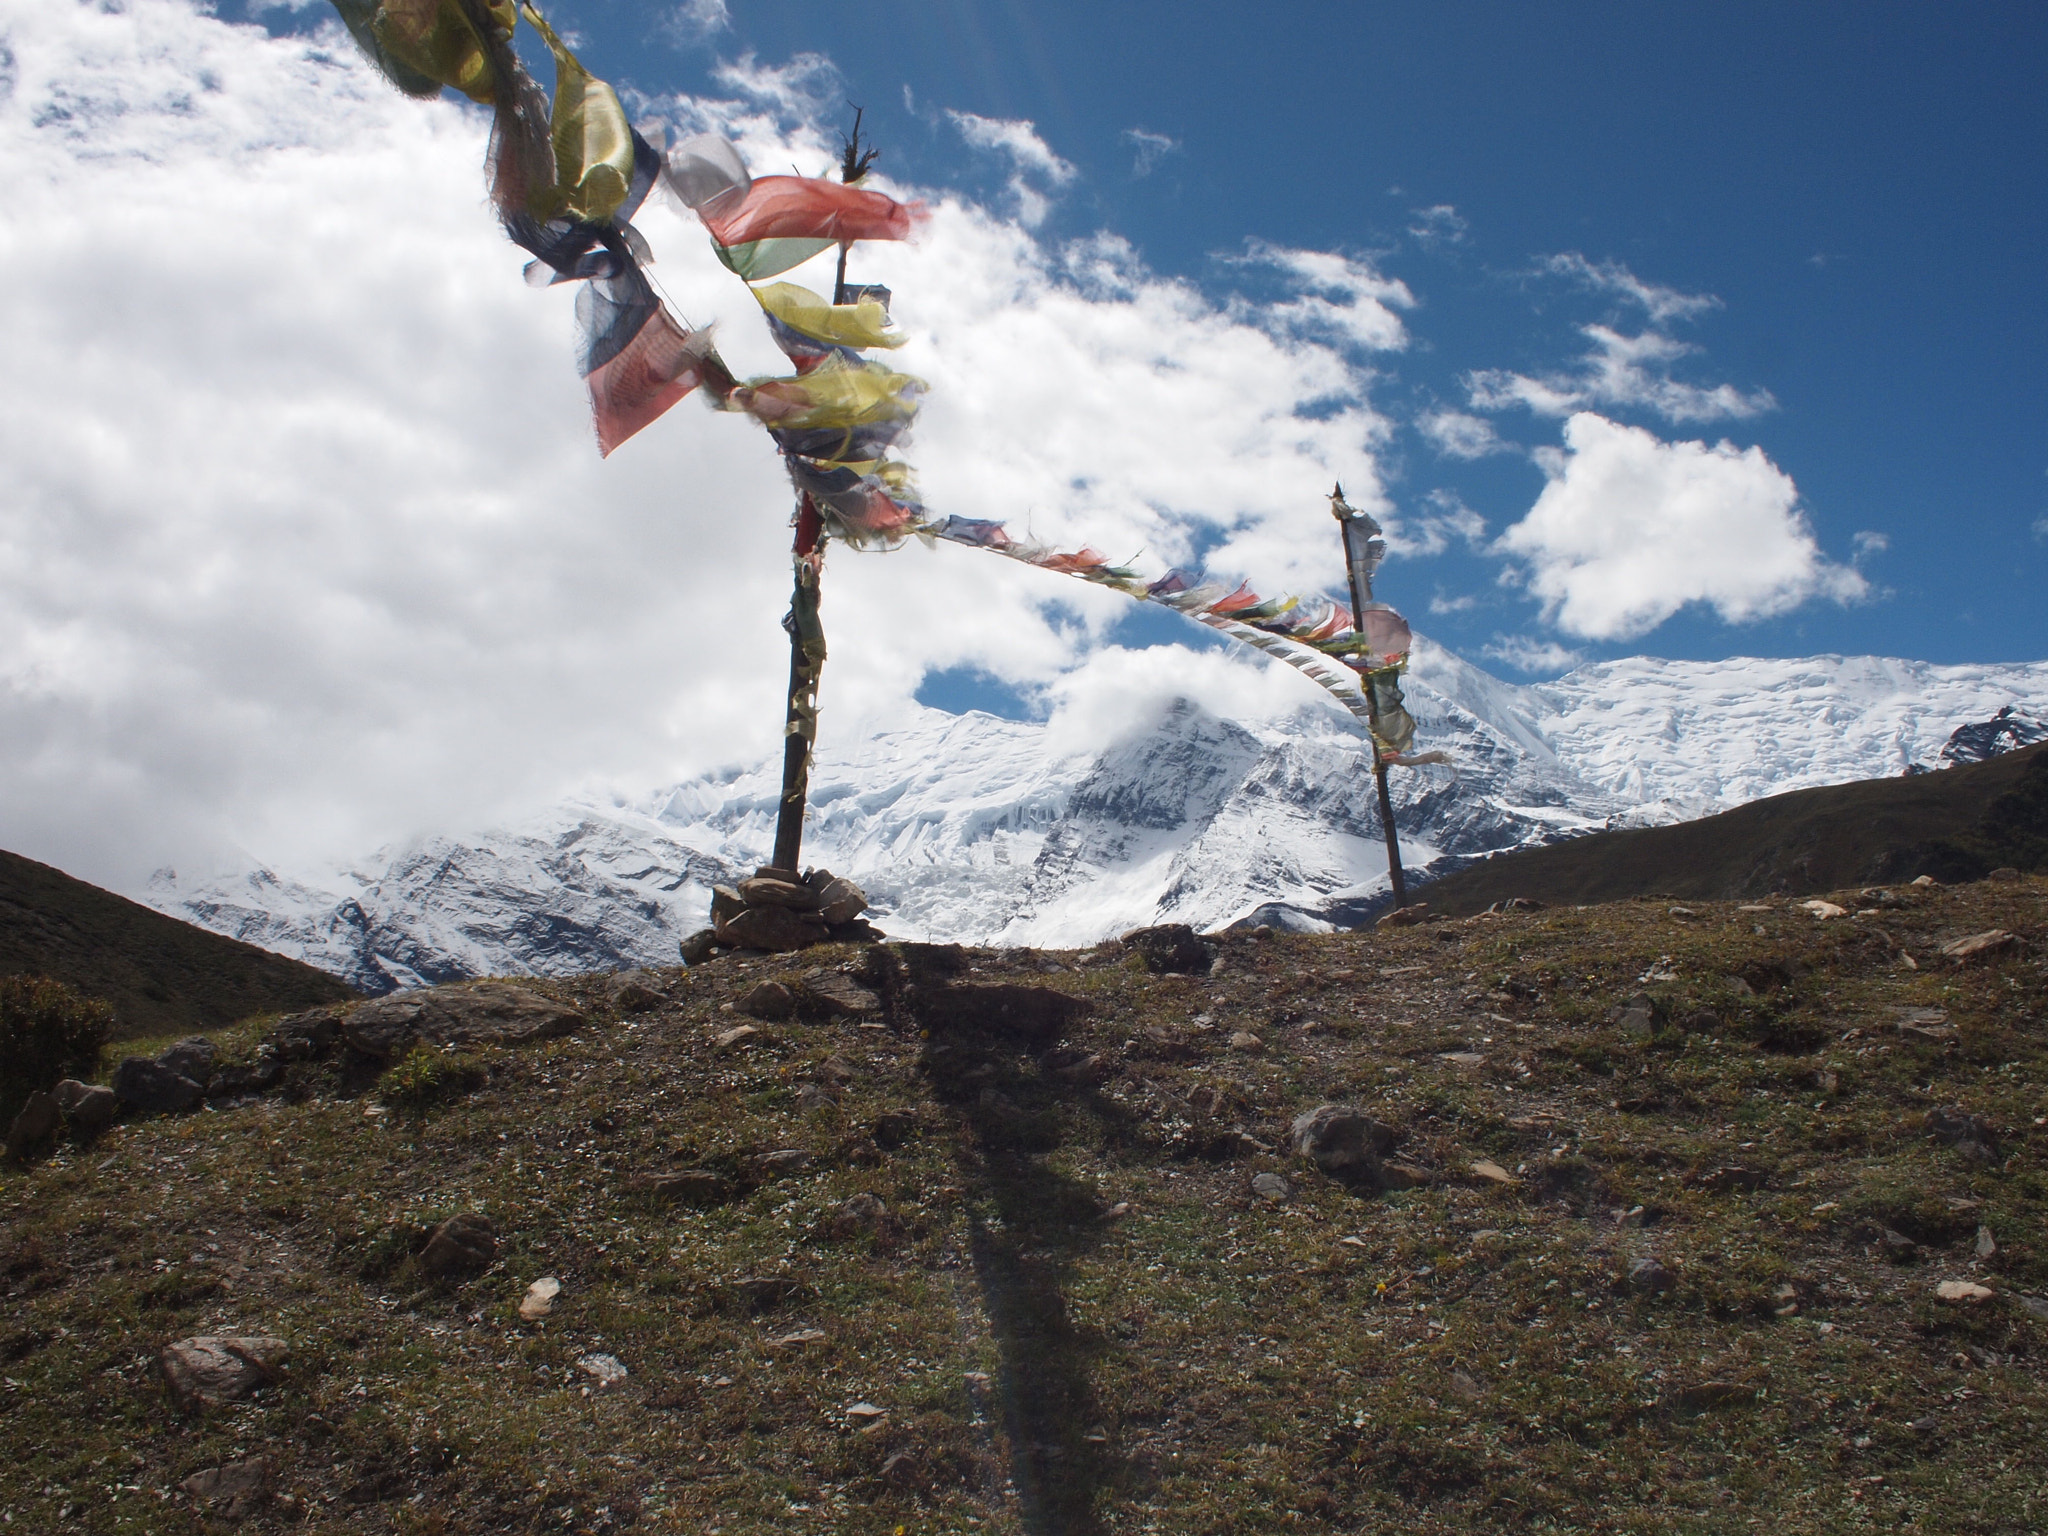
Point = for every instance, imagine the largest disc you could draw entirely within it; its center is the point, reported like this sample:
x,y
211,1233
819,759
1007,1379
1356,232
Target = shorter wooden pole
x,y
1345,515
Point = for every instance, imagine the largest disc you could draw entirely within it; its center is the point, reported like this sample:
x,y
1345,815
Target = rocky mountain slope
x,y
1631,1219
160,974
982,830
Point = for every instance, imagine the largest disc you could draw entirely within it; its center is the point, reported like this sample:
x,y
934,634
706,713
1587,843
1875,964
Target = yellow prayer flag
x,y
593,141
865,324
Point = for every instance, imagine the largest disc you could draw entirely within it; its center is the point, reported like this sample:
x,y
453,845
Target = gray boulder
x,y
36,1124
461,1245
1173,948
478,1013
191,1058
209,1369
89,1107
154,1088
1342,1140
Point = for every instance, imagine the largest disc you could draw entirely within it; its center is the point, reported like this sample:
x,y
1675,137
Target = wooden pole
x,y
806,633
1349,522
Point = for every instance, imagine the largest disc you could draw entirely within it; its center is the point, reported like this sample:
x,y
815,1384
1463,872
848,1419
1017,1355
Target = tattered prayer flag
x,y
832,395
636,359
594,145
756,259
444,42
865,324
808,208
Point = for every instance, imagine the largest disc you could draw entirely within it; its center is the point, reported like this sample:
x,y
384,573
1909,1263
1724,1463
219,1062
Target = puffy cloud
x,y
1036,172
1340,297
307,544
1431,532
1151,148
2041,529
1527,654
1630,529
1457,435
1619,372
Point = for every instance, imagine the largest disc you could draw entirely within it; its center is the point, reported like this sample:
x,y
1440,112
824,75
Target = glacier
x,y
982,830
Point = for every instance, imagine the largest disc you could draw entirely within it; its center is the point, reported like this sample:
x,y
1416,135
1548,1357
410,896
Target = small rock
x,y
1786,1299
1462,1058
220,1368
863,1214
799,1339
1245,1040
776,929
191,1058
1898,1247
2035,1305
1072,1066
89,1107
814,1096
866,1413
1683,914
696,948
769,1000
900,1469
1172,948
700,1186
1491,1172
1630,1218
774,1165
762,891
1982,946
1399,1176
603,1370
892,1128
1464,1385
739,1034
841,901
828,994
2003,872
633,992
1270,1186
461,1245
154,1088
36,1124
1965,1292
1971,1135
1924,881
1341,1139
240,1485
1987,1245
1823,910
1647,1277
1638,1014
1405,917
539,1299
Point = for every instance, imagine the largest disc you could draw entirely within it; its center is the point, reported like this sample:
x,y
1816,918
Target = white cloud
x,y
1444,603
1151,148
1438,226
2041,528
1457,435
306,544
1431,532
1341,297
1866,543
1036,171
697,21
1630,529
1659,303
1524,653
1619,372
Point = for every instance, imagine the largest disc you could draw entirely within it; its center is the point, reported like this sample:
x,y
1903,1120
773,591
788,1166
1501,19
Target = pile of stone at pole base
x,y
779,910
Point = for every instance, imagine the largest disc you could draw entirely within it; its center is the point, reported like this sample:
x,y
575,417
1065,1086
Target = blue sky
x,y
1859,186
1696,331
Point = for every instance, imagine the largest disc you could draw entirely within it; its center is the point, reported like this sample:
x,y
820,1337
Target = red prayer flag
x,y
807,207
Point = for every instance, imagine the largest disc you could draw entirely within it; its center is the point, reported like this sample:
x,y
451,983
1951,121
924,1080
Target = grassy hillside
x,y
1957,824
161,975
1068,1307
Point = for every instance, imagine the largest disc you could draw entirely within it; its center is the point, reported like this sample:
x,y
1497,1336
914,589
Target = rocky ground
x,y
1636,1218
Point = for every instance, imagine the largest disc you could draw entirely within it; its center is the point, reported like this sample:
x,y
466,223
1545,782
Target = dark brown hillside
x,y
1956,825
161,975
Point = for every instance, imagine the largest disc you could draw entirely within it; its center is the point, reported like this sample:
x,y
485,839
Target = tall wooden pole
x,y
1356,525
806,633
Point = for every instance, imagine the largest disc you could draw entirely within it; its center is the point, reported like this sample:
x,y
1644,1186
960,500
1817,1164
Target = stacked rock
x,y
779,909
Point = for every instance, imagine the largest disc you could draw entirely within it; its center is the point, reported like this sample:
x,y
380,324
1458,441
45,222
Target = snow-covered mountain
x,y
985,830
